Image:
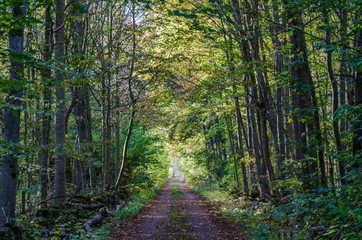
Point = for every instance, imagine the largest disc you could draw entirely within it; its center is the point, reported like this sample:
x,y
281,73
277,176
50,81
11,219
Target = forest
x,y
112,109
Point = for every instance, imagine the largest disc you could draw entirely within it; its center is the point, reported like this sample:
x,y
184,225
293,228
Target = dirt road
x,y
178,213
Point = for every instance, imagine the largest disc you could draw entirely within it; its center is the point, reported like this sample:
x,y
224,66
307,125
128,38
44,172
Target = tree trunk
x,y
343,70
278,91
301,85
232,152
118,147
250,146
335,99
9,166
47,97
81,108
60,160
264,188
240,141
105,170
125,148
266,108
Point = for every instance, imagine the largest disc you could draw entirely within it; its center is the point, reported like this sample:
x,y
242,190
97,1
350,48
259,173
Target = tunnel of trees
x,y
258,101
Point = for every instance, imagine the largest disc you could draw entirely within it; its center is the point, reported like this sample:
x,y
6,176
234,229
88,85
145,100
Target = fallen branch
x,y
88,206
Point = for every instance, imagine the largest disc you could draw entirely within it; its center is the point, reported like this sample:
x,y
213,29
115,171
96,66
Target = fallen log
x,y
98,218
88,206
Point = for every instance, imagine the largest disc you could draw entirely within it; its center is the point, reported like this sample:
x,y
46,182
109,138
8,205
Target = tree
x,y
9,166
47,97
60,161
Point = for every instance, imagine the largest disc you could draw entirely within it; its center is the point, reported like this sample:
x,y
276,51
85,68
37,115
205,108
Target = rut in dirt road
x,y
178,213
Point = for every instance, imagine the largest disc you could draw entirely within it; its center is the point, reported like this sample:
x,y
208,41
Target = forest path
x,y
178,213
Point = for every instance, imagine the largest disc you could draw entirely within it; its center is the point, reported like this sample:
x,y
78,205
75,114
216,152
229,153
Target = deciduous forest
x,y
218,119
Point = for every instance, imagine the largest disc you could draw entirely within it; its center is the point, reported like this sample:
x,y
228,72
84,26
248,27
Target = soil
x,y
192,217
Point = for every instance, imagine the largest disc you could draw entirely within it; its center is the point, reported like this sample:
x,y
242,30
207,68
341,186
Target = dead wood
x,y
88,206
97,219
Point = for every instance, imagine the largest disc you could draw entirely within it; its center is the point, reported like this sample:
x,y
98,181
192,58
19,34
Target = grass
x,y
175,192
177,218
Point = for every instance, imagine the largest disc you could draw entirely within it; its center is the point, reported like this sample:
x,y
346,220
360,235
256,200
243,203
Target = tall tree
x,y
9,166
47,97
60,158
335,100
82,109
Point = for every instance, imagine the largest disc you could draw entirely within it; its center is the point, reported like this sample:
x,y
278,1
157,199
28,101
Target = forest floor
x,y
178,213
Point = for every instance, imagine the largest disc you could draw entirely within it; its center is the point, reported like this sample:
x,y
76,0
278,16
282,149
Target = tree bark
x,y
125,148
60,160
232,152
278,91
240,141
47,97
82,108
9,166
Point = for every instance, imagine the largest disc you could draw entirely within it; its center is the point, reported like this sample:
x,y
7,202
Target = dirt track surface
x,y
200,219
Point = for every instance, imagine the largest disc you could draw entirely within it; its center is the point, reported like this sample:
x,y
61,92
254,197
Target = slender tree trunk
x,y
265,147
26,121
108,134
264,188
335,99
343,70
105,170
278,91
47,97
240,142
231,142
60,160
250,146
125,148
118,147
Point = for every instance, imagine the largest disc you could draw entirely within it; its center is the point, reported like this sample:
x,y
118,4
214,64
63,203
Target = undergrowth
x,y
67,221
332,214
131,208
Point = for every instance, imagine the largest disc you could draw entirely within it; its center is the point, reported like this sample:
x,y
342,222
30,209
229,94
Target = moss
x,y
48,212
